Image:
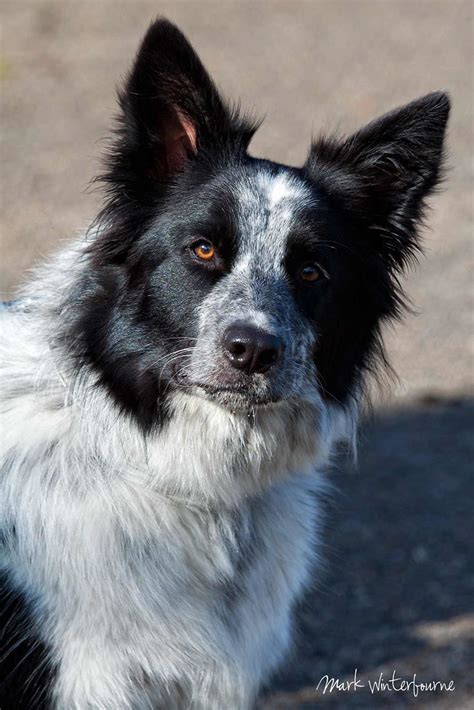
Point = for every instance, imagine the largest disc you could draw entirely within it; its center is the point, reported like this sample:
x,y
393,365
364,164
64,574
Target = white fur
x,y
163,567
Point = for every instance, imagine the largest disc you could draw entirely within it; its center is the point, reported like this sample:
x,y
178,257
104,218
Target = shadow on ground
x,y
398,591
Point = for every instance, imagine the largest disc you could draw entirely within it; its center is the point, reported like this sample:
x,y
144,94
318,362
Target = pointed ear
x,y
385,171
171,109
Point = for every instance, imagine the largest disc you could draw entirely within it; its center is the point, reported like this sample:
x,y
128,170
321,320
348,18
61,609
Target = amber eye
x,y
204,250
310,272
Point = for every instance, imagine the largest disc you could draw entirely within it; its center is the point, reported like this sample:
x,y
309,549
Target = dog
x,y
174,384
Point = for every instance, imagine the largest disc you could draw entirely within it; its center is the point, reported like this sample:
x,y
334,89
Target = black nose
x,y
251,349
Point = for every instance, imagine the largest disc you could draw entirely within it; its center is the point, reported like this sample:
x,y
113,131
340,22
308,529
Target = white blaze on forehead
x,y
272,191
284,195
269,207
281,188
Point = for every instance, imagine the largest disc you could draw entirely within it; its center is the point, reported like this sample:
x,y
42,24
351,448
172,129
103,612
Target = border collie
x,y
174,383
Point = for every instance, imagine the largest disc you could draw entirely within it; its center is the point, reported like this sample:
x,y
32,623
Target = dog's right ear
x,y
171,110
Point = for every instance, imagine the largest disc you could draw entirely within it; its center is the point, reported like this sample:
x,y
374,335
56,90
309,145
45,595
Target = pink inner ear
x,y
188,130
180,140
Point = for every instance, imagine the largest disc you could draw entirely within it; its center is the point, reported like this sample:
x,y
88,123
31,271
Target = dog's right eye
x,y
204,250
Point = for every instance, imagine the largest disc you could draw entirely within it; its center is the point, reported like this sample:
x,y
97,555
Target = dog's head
x,y
236,278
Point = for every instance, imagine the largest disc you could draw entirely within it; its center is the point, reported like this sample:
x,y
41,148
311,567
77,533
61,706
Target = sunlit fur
x,y
159,510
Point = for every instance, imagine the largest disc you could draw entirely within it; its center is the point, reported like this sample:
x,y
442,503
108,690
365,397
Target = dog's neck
x,y
204,455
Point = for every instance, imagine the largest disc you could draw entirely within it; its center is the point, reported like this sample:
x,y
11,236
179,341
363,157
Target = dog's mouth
x,y
234,397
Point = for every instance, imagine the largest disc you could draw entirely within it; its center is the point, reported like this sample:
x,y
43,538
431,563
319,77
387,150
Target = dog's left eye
x,y
311,272
204,250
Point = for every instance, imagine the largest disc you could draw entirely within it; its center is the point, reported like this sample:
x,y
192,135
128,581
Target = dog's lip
x,y
239,392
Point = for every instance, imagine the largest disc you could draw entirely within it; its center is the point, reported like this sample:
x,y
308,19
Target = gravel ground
x,y
397,593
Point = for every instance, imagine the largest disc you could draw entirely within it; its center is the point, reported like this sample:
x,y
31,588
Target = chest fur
x,y
144,595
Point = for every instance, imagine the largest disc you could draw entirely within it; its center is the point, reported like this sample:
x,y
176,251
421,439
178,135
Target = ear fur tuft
x,y
384,172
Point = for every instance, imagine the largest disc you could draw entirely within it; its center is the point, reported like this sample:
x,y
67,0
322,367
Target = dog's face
x,y
243,277
238,279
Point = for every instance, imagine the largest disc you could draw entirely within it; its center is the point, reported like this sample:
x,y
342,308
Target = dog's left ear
x,y
171,109
384,172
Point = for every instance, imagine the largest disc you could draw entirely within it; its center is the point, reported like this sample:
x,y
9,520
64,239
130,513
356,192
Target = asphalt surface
x,y
397,591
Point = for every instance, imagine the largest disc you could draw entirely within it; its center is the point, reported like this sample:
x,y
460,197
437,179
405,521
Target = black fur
x,y
379,180
27,672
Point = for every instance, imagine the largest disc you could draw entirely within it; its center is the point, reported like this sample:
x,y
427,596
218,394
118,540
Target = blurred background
x,y
397,591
